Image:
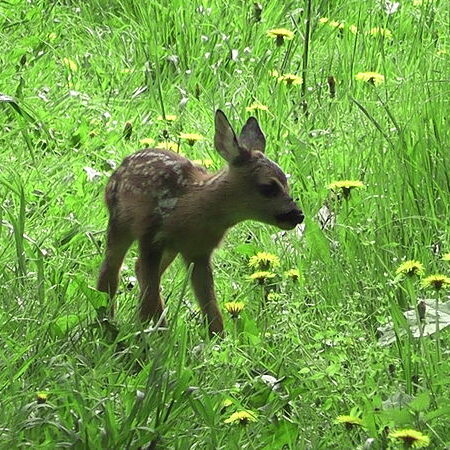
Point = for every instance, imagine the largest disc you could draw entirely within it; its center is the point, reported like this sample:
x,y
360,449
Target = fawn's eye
x,y
271,189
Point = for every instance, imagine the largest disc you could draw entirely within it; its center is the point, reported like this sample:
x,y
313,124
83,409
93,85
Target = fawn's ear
x,y
252,137
225,139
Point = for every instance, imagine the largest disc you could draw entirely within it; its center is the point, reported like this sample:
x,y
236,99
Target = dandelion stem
x,y
373,120
436,311
306,55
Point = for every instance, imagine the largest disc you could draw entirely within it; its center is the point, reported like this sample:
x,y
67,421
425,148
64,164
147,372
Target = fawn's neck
x,y
216,201
203,215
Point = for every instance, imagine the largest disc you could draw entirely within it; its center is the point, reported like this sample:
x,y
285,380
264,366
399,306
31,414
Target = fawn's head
x,y
259,184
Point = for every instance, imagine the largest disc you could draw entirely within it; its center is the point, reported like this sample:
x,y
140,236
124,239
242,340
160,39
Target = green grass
x,y
120,387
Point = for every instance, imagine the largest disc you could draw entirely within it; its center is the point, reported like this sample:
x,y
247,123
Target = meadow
x,y
318,352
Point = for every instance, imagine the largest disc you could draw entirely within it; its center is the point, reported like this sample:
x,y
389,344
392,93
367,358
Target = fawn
x,y
170,205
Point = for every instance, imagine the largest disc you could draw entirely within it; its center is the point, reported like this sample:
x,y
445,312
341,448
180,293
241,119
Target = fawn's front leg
x,y
148,274
203,285
118,241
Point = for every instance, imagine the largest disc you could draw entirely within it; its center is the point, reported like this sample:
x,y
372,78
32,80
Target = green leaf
x,y
96,298
443,411
333,369
421,402
400,417
246,249
250,330
285,434
59,327
316,240
204,408
183,382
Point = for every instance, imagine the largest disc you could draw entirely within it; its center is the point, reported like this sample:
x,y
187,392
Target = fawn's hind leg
x,y
148,268
152,305
167,257
118,241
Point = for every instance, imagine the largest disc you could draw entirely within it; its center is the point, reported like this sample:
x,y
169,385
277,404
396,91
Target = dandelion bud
x,y
421,309
127,131
332,86
41,397
257,11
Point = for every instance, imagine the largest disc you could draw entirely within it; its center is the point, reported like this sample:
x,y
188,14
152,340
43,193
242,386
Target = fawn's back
x,y
147,193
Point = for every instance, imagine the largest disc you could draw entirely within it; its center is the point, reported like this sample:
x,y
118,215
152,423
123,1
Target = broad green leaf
x,y
182,383
59,327
246,249
316,240
96,298
284,434
421,402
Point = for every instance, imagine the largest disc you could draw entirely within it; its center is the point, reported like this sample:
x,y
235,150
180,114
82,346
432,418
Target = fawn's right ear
x,y
225,140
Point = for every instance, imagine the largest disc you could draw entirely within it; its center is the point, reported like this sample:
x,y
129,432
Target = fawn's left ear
x,y
252,137
225,140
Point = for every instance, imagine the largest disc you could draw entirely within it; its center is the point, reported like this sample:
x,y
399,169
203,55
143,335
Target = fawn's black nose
x,y
290,219
295,216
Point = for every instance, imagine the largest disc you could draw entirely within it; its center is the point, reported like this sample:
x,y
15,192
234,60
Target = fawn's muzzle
x,y
290,219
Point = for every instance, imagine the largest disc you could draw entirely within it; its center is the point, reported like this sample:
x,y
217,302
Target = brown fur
x,y
172,206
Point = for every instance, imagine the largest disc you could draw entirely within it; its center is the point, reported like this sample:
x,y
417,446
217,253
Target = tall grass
x,y
74,73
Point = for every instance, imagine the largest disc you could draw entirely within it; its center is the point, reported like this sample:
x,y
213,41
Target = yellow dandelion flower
x,y
353,29
256,106
234,308
336,24
70,64
378,31
411,438
147,141
293,274
273,296
264,260
370,77
261,276
274,33
437,282
52,36
241,417
290,79
207,163
280,34
127,70
168,117
173,146
349,421
274,73
41,397
421,2
410,268
192,138
345,186
446,257
324,20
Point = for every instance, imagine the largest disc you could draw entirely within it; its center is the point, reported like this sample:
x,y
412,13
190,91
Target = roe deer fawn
x,y
172,206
